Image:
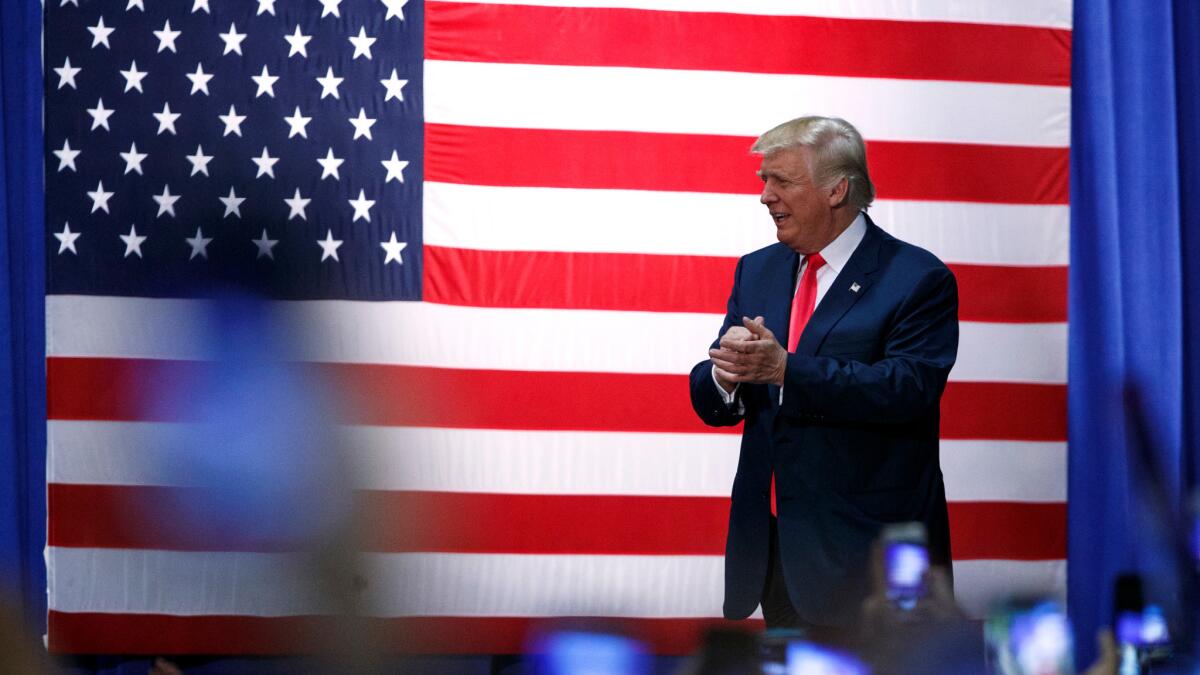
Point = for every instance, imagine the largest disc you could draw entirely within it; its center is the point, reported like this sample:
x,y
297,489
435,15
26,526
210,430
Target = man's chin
x,y
783,238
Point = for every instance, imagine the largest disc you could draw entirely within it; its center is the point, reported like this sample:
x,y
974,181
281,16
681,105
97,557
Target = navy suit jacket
x,y
854,444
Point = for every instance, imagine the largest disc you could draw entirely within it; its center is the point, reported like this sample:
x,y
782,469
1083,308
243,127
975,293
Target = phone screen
x,y
1041,641
1029,637
905,561
571,652
905,564
807,658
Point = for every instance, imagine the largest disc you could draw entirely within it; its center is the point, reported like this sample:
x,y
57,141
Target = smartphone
x,y
1143,638
810,658
1027,636
571,652
905,561
1128,606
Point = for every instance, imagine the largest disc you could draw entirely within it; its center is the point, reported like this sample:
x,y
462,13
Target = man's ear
x,y
839,192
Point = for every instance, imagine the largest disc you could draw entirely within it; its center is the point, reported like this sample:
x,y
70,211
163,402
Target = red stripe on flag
x,y
1029,531
572,280
723,164
679,283
1011,294
182,519
95,633
593,36
387,395
1016,411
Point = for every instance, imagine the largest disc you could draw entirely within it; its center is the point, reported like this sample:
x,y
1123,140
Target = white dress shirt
x,y
836,255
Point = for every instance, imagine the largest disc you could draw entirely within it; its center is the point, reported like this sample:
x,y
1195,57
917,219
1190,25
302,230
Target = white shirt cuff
x,y
727,396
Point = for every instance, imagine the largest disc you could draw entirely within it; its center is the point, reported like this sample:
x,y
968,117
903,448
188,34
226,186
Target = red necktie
x,y
803,304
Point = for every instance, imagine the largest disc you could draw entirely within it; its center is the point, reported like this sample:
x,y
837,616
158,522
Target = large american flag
x,y
530,213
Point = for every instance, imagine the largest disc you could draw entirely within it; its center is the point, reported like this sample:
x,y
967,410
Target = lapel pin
x,y
854,287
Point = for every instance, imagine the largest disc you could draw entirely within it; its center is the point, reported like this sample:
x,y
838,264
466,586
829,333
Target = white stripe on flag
x,y
727,225
1045,13
740,104
980,583
403,584
425,334
1016,471
534,462
448,584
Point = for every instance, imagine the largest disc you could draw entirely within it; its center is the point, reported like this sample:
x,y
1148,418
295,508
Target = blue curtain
x,y
1134,298
22,311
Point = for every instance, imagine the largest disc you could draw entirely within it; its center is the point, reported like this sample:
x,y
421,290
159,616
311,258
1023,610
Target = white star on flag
x,y
131,4
166,202
329,83
166,37
329,246
362,207
266,83
100,34
394,87
267,6
166,119
395,168
395,8
99,197
66,156
330,7
100,115
133,159
66,239
233,204
233,122
265,245
362,44
393,249
199,80
266,164
199,161
232,40
362,124
297,124
329,165
199,244
296,205
298,43
133,241
67,73
133,77
201,5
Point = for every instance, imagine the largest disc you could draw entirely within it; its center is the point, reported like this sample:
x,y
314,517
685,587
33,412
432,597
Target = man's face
x,y
802,211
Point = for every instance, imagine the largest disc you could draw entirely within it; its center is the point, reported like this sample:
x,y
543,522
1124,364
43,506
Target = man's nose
x,y
768,195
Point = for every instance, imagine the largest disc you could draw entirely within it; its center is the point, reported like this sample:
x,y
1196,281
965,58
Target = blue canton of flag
x,y
270,144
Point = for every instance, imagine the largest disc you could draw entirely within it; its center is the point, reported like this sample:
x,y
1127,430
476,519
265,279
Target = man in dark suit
x,y
835,350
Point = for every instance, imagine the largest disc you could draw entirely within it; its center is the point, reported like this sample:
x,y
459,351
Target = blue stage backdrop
x,y
1134,295
22,336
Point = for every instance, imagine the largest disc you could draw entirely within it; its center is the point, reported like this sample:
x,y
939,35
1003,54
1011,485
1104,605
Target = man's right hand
x,y
723,378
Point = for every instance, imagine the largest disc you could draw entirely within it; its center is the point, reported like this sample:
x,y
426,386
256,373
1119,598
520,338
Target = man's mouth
x,y
779,217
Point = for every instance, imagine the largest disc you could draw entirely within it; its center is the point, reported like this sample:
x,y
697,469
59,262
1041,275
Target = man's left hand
x,y
759,359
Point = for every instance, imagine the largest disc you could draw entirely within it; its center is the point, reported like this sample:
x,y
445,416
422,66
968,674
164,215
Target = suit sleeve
x,y
706,400
920,348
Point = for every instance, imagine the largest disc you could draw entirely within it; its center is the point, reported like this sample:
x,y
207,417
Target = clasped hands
x,y
748,353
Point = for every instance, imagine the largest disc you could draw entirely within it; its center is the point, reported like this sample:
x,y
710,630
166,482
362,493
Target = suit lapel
x,y
782,287
779,298
851,283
